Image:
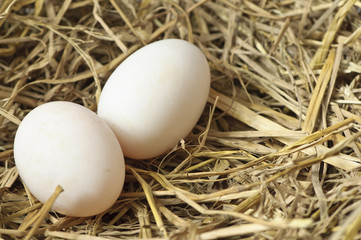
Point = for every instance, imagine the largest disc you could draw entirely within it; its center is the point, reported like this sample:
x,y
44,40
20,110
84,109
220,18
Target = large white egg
x,y
155,97
66,144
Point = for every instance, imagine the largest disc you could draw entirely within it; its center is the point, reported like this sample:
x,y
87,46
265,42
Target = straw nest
x,y
276,154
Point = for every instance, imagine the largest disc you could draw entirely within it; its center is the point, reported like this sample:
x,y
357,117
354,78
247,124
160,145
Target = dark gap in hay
x,y
347,78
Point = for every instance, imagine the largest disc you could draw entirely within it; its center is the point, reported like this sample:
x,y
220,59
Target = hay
x,y
276,153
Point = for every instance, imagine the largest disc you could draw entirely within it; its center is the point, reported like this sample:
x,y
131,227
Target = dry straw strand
x,y
331,33
151,201
43,211
318,94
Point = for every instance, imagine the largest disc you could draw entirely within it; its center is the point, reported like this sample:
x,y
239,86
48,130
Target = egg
x,y
66,144
155,97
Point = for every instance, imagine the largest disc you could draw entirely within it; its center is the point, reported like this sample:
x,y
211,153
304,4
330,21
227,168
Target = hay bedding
x,y
276,153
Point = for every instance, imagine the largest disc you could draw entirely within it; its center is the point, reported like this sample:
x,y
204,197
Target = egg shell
x,y
66,144
155,97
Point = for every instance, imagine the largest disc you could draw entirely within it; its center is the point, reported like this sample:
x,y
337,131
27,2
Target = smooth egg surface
x,y
155,97
66,144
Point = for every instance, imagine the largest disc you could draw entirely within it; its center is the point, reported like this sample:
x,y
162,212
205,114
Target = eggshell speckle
x,y
155,97
63,143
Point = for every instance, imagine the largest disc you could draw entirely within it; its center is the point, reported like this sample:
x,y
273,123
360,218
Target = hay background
x,y
255,166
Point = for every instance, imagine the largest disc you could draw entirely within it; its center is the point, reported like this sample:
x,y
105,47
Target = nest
x,y
276,153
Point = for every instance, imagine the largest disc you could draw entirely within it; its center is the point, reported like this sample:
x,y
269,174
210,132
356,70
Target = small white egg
x,y
155,97
66,144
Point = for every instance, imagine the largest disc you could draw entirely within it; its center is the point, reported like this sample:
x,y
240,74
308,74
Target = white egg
x,y
66,144
155,97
